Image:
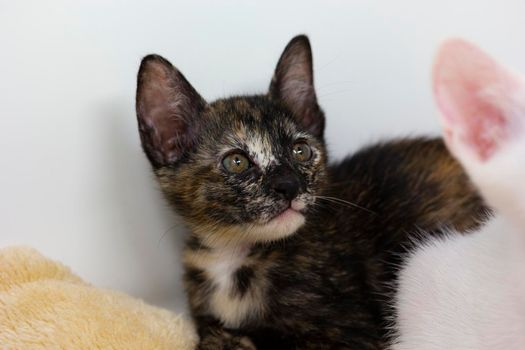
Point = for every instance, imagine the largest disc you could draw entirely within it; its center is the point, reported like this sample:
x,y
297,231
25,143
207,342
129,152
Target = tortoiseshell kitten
x,y
286,252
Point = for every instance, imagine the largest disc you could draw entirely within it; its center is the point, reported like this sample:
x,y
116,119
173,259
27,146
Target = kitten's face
x,y
238,169
241,203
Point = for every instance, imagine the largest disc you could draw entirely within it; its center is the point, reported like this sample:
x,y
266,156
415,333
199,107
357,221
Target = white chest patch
x,y
230,307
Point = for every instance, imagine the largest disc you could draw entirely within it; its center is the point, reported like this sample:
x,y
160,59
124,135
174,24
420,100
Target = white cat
x,y
468,291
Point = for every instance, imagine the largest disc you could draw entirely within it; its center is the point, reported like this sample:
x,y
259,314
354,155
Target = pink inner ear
x,y
474,95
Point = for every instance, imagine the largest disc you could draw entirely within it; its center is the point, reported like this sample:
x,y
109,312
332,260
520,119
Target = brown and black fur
x,y
327,285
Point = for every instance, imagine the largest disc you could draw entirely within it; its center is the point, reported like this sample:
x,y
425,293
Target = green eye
x,y
301,151
235,163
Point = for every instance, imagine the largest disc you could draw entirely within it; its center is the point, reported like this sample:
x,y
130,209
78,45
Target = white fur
x,y
220,266
464,292
230,309
467,292
261,150
226,262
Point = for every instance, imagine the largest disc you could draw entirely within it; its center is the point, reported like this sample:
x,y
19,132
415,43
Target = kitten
x,y
468,291
285,251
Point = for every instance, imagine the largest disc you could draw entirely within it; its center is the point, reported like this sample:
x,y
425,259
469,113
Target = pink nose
x,y
298,205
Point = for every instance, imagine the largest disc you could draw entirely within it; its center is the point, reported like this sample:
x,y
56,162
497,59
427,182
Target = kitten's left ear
x,y
293,84
482,104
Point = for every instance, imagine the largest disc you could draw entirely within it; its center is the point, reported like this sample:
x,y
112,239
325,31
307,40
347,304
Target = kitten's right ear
x,y
168,109
293,84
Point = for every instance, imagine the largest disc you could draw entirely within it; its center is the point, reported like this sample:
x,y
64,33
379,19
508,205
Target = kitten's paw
x,y
225,341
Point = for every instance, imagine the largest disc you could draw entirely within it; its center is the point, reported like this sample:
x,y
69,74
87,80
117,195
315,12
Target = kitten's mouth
x,y
295,208
284,223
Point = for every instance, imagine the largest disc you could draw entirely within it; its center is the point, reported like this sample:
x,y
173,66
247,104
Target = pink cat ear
x,y
477,98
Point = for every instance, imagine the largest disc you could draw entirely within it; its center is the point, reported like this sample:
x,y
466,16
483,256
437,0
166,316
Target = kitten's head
x,y
237,169
483,117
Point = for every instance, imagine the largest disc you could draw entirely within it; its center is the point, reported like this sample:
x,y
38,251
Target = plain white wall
x,y
74,182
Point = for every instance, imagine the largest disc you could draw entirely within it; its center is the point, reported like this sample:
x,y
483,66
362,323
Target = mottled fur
x,y
317,279
219,207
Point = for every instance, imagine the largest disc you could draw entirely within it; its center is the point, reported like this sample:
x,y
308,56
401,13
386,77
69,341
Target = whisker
x,y
335,83
332,93
165,233
342,201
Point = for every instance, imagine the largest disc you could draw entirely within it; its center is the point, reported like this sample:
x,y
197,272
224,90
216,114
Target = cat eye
x,y
301,151
235,163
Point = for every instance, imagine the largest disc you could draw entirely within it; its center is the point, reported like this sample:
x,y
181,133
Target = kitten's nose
x,y
287,186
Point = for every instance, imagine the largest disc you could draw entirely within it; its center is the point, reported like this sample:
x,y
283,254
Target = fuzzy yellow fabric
x,y
43,305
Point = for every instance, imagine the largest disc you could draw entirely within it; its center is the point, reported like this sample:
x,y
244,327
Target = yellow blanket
x,y
45,306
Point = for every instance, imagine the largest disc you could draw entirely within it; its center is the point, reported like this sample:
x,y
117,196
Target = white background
x,y
73,180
